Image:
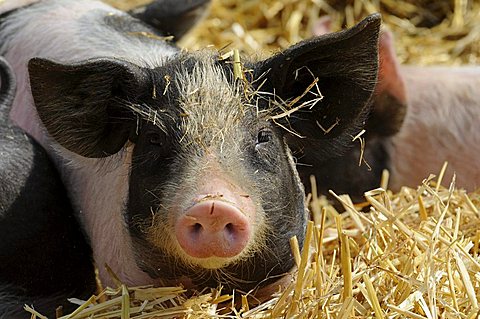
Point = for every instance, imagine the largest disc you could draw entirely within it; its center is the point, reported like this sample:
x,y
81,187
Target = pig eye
x,y
156,139
264,136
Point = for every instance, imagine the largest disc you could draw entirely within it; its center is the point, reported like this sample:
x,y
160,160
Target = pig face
x,y
213,195
220,179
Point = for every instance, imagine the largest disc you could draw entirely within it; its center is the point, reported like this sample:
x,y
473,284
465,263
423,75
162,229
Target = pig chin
x,y
212,262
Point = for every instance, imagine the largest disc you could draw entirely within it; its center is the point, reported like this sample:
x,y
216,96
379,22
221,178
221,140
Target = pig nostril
x,y
230,228
197,228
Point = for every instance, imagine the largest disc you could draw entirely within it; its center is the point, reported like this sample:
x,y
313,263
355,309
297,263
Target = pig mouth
x,y
253,269
244,277
213,263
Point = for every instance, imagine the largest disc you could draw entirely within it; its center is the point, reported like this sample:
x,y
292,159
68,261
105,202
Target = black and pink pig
x,y
179,170
44,255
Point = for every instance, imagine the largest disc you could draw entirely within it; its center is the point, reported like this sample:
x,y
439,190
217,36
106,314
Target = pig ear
x,y
174,17
79,103
345,64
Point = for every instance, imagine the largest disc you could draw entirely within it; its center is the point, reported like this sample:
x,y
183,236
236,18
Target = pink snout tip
x,y
213,228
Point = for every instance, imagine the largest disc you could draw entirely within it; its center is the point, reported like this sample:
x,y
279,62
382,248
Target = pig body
x,y
441,124
45,255
37,224
178,171
60,42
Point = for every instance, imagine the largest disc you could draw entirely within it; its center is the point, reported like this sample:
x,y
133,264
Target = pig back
x,y
441,125
8,5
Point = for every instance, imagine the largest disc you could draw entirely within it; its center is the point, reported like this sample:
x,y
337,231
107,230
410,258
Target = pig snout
x,y
220,224
213,228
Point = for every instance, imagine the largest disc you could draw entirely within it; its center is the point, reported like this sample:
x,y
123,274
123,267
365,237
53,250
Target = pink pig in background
x,y
421,117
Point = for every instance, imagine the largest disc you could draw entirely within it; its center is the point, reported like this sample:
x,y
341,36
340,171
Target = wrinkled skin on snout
x,y
213,194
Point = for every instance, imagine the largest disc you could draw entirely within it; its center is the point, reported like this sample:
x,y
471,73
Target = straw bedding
x,y
414,254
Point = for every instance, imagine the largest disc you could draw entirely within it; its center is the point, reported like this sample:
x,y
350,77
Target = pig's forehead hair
x,y
214,104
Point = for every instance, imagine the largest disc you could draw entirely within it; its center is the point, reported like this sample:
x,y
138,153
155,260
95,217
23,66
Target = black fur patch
x,y
42,248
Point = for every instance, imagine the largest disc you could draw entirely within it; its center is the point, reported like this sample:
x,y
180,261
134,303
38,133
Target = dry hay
x,y
427,32
414,254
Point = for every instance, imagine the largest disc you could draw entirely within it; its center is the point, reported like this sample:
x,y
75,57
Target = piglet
x,y
180,169
421,117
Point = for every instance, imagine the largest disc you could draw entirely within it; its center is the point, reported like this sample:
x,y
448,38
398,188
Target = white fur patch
x,y
101,190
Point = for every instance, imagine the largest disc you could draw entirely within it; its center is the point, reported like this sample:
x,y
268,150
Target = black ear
x,y
345,64
174,17
79,104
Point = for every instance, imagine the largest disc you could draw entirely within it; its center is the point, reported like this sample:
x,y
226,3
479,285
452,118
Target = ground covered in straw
x,y
414,254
